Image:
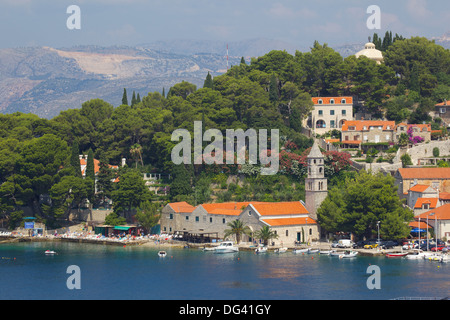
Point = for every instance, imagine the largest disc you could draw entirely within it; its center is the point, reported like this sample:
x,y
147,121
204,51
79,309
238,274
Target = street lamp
x,y
378,227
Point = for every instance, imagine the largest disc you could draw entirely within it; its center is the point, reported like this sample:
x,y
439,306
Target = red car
x,y
438,248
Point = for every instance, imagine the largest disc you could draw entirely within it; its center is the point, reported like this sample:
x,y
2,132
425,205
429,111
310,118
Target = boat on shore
x,y
310,251
226,247
280,250
300,250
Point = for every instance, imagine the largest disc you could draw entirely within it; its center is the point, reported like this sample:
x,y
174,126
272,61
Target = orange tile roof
x,y
352,141
441,213
424,173
360,124
419,188
420,126
226,212
421,201
279,208
210,207
444,196
443,104
289,221
337,100
96,165
181,207
332,140
421,225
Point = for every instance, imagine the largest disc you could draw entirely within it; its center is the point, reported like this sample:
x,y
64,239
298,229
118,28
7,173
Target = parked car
x,y
345,243
359,244
387,244
438,247
371,244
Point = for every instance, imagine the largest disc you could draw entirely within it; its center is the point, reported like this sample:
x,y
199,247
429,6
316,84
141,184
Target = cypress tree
x,y
243,61
124,97
133,99
75,158
273,88
164,93
138,99
90,170
208,82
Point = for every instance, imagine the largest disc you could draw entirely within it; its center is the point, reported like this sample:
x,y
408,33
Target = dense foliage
x,y
38,160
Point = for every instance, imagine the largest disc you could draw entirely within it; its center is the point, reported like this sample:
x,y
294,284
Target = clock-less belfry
x,y
315,183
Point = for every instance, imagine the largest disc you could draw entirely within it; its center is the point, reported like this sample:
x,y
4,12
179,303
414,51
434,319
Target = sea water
x,y
137,272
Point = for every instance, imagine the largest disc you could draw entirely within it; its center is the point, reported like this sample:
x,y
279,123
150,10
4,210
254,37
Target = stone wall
x,y
426,150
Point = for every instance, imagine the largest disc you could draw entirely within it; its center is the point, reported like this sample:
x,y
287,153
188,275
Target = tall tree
x,y
75,158
133,99
208,81
237,228
148,215
124,97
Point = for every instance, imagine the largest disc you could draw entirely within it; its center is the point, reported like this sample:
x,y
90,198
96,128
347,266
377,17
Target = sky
x,y
130,22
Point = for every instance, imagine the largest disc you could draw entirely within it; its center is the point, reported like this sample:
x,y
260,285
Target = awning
x,y
123,228
417,230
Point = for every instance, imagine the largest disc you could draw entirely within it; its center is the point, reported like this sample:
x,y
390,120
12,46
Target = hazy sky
x,y
129,22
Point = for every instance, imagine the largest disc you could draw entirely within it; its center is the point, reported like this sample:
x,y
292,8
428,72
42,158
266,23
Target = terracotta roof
x,y
332,140
289,221
181,207
419,188
279,208
424,173
214,207
421,225
96,165
440,213
337,100
226,212
421,201
360,124
443,104
444,196
420,126
351,141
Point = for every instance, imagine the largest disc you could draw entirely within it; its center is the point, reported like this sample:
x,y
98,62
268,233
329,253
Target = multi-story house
x,y
367,131
329,113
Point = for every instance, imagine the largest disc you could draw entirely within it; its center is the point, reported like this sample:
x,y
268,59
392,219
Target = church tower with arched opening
x,y
315,184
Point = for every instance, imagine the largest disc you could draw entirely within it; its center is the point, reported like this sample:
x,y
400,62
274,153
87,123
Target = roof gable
x,y
424,173
439,213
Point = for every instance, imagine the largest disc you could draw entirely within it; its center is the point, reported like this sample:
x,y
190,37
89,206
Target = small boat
x,y
280,250
162,253
300,250
348,254
261,250
226,247
335,253
445,258
396,254
327,252
209,249
313,251
50,252
417,254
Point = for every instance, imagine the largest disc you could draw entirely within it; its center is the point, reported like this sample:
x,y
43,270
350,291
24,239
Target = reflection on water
x,y
138,273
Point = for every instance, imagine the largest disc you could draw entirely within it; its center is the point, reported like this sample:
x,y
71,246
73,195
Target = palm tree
x,y
237,228
266,234
136,152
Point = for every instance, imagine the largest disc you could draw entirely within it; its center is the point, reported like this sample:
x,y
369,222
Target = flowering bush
x,y
412,138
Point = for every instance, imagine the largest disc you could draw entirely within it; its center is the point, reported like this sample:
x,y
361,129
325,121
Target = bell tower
x,y
315,184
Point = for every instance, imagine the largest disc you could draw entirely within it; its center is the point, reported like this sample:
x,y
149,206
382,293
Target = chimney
x,y
124,162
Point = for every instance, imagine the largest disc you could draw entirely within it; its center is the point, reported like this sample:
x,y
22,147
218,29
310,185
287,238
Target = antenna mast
x,y
227,56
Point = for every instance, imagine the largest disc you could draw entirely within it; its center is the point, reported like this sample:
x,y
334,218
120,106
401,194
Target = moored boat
x,y
300,250
261,250
50,252
416,254
280,250
313,251
348,254
396,254
226,247
162,254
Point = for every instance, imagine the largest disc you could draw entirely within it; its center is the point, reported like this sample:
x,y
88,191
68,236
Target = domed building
x,y
371,52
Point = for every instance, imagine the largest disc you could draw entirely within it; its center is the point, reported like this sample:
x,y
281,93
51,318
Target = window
x,y
331,101
331,112
320,112
320,101
332,124
351,128
442,110
364,128
210,220
249,212
223,220
426,206
344,112
343,101
171,216
310,231
287,233
197,219
187,218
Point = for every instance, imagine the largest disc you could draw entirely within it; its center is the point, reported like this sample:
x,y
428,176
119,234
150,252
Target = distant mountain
x,y
443,40
45,80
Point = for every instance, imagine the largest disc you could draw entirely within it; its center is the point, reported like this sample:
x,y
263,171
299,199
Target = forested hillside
x,y
38,162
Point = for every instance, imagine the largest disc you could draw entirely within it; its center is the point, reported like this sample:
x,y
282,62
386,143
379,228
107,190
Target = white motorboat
x,y
50,252
416,254
300,250
261,250
335,253
209,249
280,250
325,252
226,247
445,258
313,251
348,254
162,254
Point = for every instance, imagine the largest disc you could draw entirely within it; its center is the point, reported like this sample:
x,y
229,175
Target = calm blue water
x,y
109,272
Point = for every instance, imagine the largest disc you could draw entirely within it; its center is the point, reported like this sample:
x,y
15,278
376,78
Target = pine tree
x,y
208,82
124,97
138,98
243,61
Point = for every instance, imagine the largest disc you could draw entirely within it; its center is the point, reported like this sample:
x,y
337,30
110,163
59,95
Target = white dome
x,y
370,52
